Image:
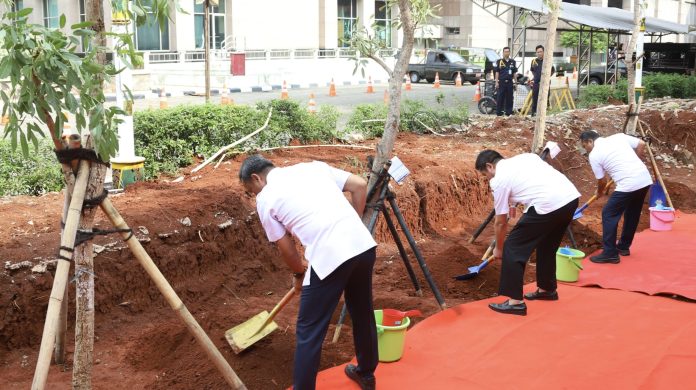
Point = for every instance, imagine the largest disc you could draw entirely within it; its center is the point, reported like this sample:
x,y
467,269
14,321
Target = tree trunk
x,y
540,126
631,70
83,255
391,127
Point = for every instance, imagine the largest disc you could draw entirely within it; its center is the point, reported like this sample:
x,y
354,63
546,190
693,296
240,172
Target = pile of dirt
x,y
205,237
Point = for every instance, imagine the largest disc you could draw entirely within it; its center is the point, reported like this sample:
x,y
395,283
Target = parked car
x,y
597,76
448,65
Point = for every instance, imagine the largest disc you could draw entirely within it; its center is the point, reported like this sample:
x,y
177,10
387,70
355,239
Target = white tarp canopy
x,y
600,17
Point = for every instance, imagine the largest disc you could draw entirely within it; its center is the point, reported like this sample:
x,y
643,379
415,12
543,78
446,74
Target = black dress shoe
x,y
625,252
604,259
506,308
542,295
365,383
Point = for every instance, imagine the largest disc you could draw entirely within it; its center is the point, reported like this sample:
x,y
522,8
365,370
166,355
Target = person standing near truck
x,y
537,66
504,70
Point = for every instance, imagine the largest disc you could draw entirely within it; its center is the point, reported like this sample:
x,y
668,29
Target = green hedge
x,y
656,86
169,139
368,119
36,174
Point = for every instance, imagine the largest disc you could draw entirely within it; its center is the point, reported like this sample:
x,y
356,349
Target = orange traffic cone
x,y
477,96
163,99
370,87
575,73
386,97
312,106
225,99
332,88
408,83
437,80
458,80
284,91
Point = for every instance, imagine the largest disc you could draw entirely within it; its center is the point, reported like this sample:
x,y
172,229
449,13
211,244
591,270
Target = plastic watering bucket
x,y
568,264
390,339
661,219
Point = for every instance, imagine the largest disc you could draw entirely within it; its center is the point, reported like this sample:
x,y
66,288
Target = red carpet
x,y
660,263
590,339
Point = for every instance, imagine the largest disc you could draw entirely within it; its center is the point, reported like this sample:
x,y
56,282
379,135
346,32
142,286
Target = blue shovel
x,y
474,270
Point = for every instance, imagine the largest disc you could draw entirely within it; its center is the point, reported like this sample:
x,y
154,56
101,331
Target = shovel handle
x,y
288,296
488,251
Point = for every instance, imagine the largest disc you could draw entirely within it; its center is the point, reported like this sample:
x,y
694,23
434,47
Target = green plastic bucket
x,y
390,339
568,264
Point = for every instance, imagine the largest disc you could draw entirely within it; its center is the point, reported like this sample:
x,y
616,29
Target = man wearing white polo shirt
x,y
619,156
306,201
550,200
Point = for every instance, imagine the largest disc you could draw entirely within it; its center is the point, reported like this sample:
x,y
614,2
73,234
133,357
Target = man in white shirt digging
x,y
306,201
619,156
550,200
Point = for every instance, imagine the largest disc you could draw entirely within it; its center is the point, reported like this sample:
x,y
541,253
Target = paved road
x,y
347,97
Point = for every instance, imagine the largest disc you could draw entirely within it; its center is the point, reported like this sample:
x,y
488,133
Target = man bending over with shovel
x,y
306,201
619,156
550,200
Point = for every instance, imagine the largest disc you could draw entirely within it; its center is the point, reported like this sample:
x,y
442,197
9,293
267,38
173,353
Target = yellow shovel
x,y
257,327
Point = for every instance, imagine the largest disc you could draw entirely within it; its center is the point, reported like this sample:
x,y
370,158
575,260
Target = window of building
x,y
217,25
383,22
347,19
615,3
453,30
83,14
17,5
148,36
51,15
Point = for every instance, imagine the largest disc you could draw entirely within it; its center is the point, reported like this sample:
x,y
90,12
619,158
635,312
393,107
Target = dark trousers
x,y
628,204
318,302
505,96
541,232
535,97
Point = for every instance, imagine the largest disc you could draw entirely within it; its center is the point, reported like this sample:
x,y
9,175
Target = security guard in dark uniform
x,y
537,66
505,70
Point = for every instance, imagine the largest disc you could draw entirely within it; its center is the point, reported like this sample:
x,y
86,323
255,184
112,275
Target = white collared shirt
x,y
615,155
529,180
307,201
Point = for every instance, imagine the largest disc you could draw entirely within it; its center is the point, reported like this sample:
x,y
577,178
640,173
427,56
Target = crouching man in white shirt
x,y
306,201
619,156
550,200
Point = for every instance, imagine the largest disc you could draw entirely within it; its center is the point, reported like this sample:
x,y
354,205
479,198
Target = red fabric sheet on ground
x,y
589,339
660,263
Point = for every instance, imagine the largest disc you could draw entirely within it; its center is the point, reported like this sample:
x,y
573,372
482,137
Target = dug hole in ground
x,y
225,271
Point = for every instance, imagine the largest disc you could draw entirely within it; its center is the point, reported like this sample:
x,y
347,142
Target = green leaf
x,y
25,145
82,25
62,20
24,12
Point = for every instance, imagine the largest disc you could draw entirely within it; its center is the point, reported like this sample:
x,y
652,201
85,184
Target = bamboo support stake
x,y
170,295
60,280
62,325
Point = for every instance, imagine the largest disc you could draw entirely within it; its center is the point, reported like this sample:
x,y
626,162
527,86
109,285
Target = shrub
x,y
35,174
595,95
368,119
656,86
169,139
